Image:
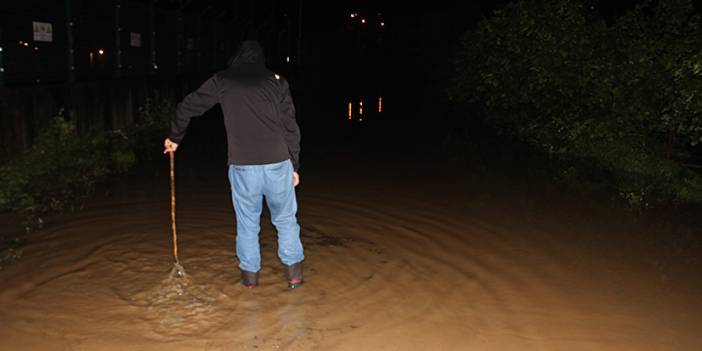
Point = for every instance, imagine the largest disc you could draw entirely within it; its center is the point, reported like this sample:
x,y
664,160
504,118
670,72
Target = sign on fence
x,y
135,40
43,31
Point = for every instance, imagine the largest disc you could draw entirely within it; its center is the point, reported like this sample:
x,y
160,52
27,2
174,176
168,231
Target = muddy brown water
x,y
393,263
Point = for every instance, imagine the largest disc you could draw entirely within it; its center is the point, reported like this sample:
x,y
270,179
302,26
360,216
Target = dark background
x,y
402,54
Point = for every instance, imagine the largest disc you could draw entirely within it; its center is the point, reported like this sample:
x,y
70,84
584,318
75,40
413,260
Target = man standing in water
x,y
263,141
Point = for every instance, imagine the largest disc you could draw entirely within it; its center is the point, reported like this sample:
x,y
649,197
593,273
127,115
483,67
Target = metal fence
x,y
75,40
96,106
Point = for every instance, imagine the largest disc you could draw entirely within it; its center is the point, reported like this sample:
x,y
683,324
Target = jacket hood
x,y
250,52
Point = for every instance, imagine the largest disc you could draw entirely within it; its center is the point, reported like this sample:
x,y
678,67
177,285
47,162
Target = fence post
x,y
200,38
198,42
2,67
214,42
181,39
299,34
69,43
118,44
152,27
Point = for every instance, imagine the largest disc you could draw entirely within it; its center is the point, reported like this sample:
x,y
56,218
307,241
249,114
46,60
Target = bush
x,y
9,251
61,169
624,96
148,132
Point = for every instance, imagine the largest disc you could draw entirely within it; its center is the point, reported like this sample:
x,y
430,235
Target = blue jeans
x,y
250,183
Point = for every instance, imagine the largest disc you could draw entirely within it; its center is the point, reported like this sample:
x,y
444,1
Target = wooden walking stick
x,y
177,267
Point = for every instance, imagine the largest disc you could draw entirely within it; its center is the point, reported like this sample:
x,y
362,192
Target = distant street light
x,y
363,20
101,51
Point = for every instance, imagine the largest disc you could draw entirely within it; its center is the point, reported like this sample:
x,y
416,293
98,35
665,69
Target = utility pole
x,y
118,44
71,76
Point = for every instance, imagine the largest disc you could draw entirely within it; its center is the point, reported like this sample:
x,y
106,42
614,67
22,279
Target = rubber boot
x,y
249,279
294,274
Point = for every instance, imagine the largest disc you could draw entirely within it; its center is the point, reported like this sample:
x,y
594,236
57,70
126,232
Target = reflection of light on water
x,y
355,110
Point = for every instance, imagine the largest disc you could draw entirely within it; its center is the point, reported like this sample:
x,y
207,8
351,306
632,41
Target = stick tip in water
x,y
178,270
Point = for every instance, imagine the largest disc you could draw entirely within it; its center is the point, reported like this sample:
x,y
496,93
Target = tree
x,y
624,96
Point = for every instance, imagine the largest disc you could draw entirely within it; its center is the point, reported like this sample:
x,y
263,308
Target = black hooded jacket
x,y
259,114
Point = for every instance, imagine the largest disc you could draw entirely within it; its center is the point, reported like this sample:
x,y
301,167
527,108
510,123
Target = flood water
x,y
405,250
402,253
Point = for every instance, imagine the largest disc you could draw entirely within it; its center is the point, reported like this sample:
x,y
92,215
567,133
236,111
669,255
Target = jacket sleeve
x,y
193,105
286,109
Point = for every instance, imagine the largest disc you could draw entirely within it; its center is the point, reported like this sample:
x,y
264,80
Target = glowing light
x,y
354,14
350,111
0,49
382,24
287,58
360,108
101,51
363,20
380,104
26,43
36,48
